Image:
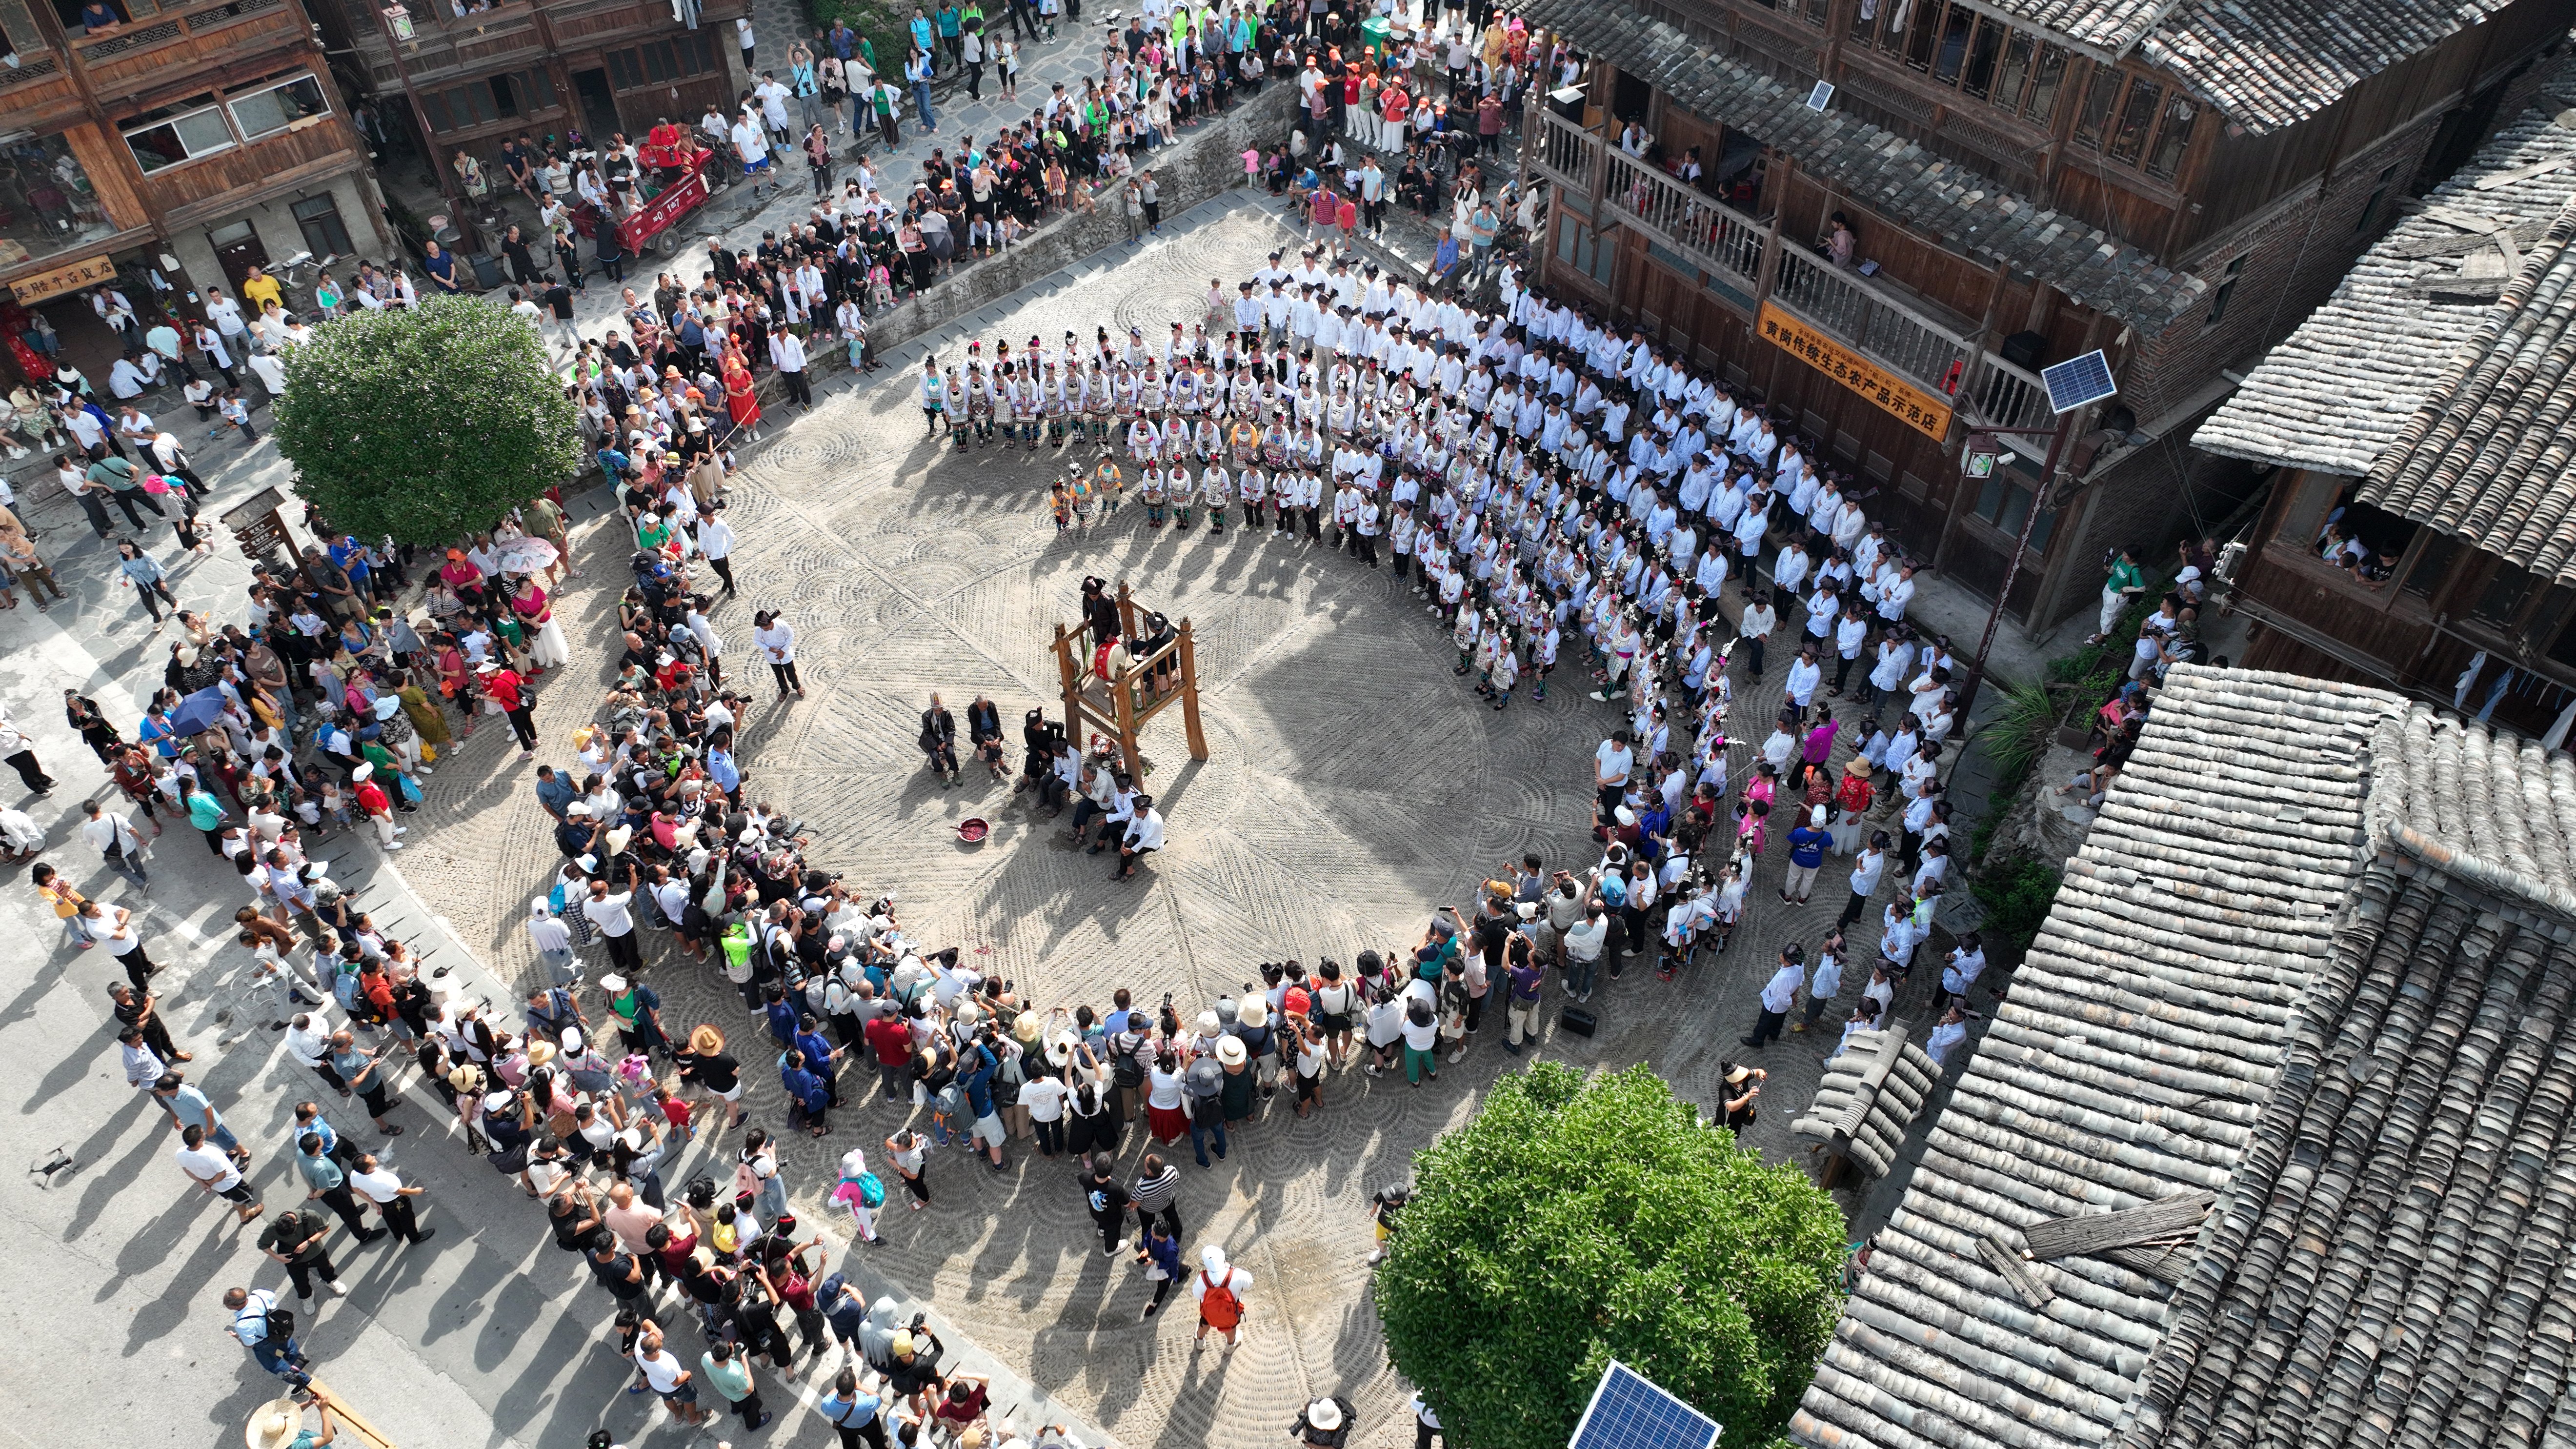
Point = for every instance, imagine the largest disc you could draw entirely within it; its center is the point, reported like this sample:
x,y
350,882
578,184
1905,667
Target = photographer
x,y
1735,1104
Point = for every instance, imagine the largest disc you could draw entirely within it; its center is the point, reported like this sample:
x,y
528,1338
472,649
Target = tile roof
x,y
2391,1261
2338,392
2313,963
2487,457
2267,64
1881,169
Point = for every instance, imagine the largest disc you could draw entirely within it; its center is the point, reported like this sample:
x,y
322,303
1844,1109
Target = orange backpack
x,y
1218,1305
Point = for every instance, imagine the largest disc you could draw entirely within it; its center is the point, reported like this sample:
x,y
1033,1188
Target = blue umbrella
x,y
198,712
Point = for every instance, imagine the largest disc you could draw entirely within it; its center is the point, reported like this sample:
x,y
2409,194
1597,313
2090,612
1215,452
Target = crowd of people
x,y
1555,492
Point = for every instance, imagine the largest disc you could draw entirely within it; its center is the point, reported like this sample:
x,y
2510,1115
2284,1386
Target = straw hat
x,y
274,1425
1324,1414
1230,1051
705,1040
540,1052
1255,1012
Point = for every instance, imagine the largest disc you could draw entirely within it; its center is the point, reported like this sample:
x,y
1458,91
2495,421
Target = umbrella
x,y
524,556
198,712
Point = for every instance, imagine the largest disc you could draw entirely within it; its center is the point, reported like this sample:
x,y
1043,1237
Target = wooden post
x,y
1126,612
1124,701
1071,674
368,1436
1190,694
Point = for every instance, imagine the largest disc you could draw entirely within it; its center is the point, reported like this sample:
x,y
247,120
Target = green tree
x,y
427,424
1575,1221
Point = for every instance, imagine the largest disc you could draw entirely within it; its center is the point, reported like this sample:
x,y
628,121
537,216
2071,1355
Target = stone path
x,y
1354,785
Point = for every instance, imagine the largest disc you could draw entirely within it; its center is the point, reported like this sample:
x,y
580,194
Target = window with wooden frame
x,y
1969,51
2134,120
170,135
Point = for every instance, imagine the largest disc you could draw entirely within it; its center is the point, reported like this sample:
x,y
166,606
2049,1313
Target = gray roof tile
x,y
1890,173
2339,392
2315,957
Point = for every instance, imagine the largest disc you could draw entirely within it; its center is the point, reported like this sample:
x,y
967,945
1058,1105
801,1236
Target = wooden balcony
x,y
182,41
39,94
1739,261
310,151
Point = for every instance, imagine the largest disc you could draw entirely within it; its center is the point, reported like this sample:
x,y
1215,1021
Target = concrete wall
x,y
274,221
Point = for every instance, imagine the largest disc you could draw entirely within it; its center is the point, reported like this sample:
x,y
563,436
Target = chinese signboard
x,y
261,532
64,279
1925,412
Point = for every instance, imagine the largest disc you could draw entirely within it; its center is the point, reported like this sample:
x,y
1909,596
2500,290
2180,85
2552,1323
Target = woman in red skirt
x,y
1164,1114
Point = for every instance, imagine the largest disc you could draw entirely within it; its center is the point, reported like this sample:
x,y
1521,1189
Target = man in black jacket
x,y
939,740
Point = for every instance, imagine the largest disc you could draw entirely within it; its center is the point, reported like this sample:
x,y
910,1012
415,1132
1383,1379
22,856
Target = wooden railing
x,y
1727,246
132,56
1720,239
1569,154
1843,303
2005,396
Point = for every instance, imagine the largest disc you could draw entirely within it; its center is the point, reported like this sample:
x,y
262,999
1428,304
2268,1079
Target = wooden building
x,y
2420,417
2024,181
467,75
2268,1140
188,141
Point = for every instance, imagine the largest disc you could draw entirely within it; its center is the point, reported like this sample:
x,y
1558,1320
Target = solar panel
x,y
1628,1412
2077,381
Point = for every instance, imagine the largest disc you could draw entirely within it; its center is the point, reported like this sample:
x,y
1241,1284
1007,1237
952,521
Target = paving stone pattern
x,y
1354,785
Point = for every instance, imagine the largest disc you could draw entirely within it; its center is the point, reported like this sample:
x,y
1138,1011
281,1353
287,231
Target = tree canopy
x,y
427,423
1574,1221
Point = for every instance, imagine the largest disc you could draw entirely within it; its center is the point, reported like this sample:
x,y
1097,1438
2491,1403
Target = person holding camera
x,y
1735,1104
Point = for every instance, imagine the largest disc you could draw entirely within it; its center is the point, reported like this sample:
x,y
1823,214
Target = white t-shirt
x,y
661,1370
1044,1099
379,1187
611,913
1616,760
1166,1089
208,1165
778,641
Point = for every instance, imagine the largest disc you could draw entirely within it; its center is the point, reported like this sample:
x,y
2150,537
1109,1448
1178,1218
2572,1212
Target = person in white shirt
x,y
1952,1031
552,940
1965,963
1214,1274
213,1171
614,915
1778,995
380,1185
1866,869
777,640
1144,836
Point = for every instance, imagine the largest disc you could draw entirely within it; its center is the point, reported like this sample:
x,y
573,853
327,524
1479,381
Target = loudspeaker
x,y
1579,1021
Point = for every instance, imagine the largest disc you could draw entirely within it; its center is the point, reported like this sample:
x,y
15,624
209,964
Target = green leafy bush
x,y
1575,1221
426,424
2016,893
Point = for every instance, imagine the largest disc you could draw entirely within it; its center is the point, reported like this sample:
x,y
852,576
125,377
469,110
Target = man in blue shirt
x,y
325,1180
1806,853
806,1090
975,1066
1445,259
189,1107
819,1056
849,1410
554,791
351,556
842,38
782,1018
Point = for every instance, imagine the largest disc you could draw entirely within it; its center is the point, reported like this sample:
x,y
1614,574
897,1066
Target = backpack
x,y
871,1190
1217,1304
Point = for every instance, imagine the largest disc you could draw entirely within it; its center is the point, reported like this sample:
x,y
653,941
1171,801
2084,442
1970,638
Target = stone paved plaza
x,y
1354,784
